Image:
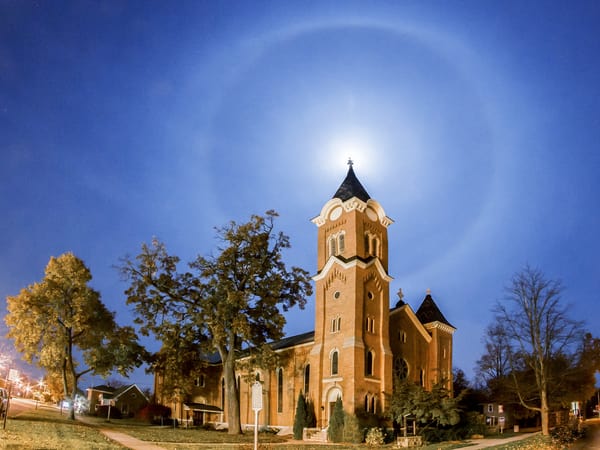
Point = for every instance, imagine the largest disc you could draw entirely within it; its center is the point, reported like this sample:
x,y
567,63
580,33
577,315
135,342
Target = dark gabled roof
x,y
293,340
287,342
429,312
351,187
116,393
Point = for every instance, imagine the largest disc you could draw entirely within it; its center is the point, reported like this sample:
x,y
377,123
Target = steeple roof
x,y
351,187
429,312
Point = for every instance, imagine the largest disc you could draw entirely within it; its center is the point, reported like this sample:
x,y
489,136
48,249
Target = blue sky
x,y
475,124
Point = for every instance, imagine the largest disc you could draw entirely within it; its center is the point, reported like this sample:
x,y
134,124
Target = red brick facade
x,y
359,344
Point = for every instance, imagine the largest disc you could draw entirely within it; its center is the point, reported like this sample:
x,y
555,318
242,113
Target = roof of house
x,y
351,187
102,388
429,312
114,393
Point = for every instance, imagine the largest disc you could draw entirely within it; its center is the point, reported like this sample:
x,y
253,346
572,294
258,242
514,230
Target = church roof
x,y
351,187
429,312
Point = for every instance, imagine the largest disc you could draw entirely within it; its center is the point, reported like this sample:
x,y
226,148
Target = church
x,y
359,344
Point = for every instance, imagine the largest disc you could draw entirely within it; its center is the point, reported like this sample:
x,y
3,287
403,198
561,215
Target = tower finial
x,y
350,162
428,291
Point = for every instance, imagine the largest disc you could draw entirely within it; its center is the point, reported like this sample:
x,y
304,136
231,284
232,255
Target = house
x,y
128,399
358,344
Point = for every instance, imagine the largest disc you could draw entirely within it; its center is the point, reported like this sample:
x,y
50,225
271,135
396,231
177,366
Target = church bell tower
x,y
351,357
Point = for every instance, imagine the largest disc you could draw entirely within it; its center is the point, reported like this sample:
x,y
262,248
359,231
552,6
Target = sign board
x,y
13,375
257,400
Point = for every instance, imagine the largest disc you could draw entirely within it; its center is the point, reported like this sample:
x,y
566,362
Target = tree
x,y
231,303
52,320
433,408
300,417
335,430
538,333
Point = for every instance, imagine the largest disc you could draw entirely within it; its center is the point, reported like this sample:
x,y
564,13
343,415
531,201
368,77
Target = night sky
x,y
475,125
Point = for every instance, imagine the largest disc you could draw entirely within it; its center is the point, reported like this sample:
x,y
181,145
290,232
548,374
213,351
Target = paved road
x,y
592,436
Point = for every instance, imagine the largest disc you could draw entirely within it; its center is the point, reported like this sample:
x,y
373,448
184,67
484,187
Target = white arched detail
x,y
349,205
333,394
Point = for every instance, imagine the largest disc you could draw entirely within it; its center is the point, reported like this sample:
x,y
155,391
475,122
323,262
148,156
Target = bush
x,y
565,435
353,432
154,413
375,437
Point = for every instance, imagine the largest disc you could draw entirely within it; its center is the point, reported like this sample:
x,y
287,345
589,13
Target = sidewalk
x,y
121,438
486,443
129,441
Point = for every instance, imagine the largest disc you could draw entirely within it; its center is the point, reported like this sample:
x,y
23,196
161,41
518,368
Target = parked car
x,y
3,401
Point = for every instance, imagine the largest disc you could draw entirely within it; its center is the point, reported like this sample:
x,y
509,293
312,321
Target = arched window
x,y
422,377
369,363
341,243
367,403
373,404
336,324
257,377
400,368
334,362
306,379
279,390
332,246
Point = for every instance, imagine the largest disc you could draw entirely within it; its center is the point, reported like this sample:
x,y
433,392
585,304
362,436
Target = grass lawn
x,y
46,429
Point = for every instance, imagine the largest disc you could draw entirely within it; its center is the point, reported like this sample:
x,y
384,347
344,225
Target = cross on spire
x,y
350,162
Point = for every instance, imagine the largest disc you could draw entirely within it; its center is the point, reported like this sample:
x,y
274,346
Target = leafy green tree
x,y
300,417
539,337
433,408
225,303
335,430
60,317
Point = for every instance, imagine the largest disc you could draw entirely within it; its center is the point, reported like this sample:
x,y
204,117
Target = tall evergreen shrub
x,y
300,418
335,431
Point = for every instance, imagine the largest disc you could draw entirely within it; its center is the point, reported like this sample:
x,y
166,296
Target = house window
x,y
306,379
373,404
422,377
490,408
366,403
280,390
369,363
334,362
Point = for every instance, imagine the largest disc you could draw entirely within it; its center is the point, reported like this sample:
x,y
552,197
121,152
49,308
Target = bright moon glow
x,y
356,147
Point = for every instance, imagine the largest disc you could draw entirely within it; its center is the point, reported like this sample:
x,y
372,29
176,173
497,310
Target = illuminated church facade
x,y
358,345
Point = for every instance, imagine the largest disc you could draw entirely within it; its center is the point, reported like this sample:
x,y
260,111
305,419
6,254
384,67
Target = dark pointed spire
x,y
351,187
429,312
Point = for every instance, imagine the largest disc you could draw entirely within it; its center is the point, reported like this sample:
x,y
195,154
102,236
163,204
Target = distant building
x,y
128,399
358,344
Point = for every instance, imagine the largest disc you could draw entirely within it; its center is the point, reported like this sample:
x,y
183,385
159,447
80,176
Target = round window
x,y
370,295
336,294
